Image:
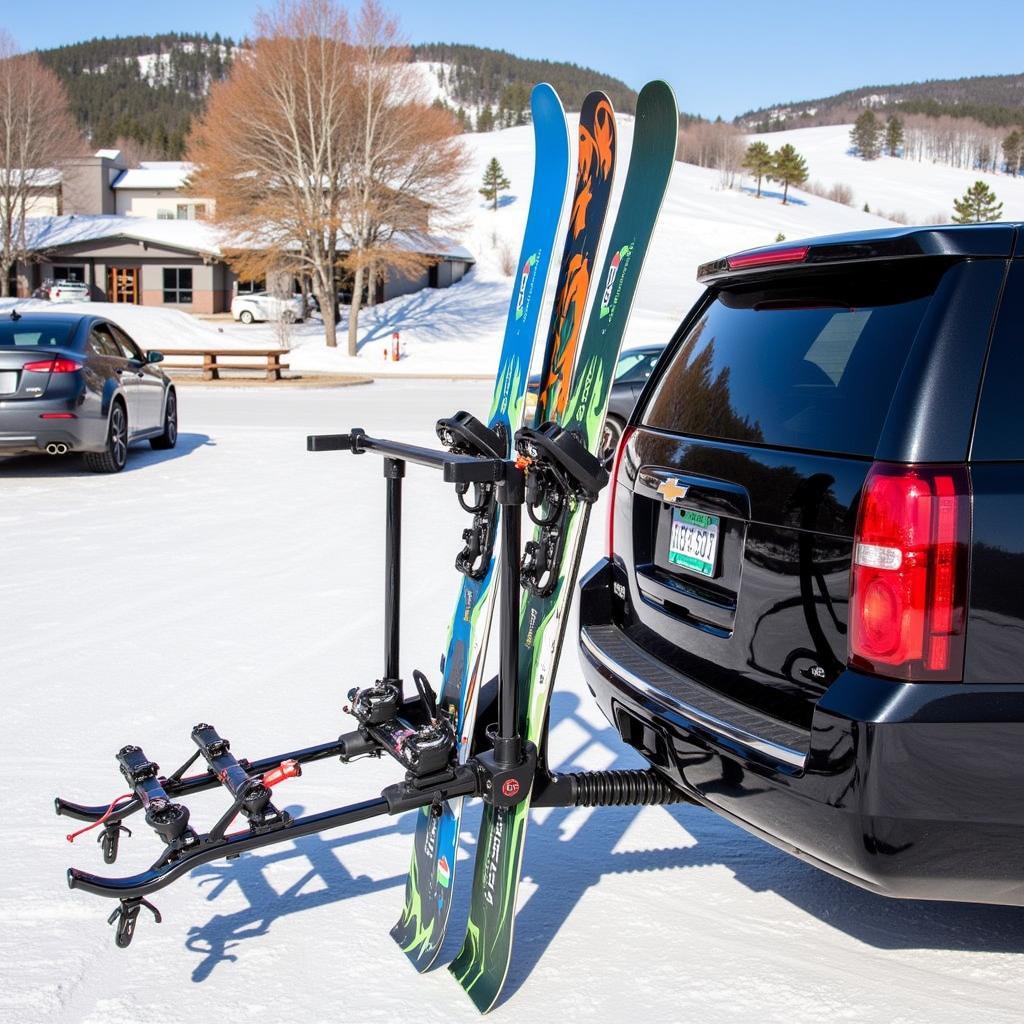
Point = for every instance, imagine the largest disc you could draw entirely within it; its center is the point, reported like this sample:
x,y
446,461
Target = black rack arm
x,y
456,468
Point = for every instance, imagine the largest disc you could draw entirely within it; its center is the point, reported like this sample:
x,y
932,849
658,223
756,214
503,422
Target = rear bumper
x,y
23,431
912,791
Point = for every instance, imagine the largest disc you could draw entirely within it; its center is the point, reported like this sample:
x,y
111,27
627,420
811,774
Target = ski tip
x,y
544,101
656,94
594,99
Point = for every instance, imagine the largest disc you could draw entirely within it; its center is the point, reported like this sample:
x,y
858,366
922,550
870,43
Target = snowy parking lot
x,y
237,581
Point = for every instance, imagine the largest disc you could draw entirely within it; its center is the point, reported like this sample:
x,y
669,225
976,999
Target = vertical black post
x,y
394,470
508,745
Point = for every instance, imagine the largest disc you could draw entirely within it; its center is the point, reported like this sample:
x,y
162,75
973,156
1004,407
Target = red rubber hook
x,y
285,770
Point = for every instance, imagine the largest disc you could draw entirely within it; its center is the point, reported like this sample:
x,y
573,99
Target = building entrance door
x,y
123,284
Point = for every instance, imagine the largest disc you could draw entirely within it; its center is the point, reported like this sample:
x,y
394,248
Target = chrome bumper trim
x,y
708,723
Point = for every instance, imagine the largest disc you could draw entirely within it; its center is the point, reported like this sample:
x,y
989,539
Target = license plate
x,y
8,382
693,542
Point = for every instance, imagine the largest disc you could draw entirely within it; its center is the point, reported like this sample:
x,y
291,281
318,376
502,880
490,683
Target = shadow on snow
x,y
140,456
767,193
438,314
561,881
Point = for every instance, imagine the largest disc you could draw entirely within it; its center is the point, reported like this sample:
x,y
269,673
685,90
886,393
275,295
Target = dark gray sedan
x,y
79,384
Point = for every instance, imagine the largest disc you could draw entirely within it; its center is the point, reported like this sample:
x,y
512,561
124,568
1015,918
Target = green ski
x,y
482,964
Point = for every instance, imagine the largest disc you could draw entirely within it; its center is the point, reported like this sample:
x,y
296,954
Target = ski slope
x,y
242,585
923,191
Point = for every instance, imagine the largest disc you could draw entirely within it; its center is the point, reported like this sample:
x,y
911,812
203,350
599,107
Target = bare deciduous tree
x,y
269,148
322,153
37,132
405,159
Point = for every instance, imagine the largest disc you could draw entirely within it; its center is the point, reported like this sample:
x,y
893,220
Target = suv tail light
x,y
623,441
908,585
57,365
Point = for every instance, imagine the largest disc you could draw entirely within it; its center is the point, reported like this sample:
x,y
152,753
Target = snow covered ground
x,y
923,191
237,580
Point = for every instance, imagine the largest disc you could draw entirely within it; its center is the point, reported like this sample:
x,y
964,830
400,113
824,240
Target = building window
x,y
165,215
68,273
178,285
200,211
251,287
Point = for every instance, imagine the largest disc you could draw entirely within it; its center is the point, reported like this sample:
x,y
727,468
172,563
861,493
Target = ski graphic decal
x,y
482,964
420,929
595,169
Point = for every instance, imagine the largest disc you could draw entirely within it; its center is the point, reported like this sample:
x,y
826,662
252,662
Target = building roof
x,y
51,232
193,235
34,177
155,174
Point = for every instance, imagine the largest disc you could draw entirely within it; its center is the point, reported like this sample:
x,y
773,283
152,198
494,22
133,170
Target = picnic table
x,y
214,360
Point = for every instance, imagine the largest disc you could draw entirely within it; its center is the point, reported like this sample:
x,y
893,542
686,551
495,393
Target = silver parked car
x,y
264,306
71,383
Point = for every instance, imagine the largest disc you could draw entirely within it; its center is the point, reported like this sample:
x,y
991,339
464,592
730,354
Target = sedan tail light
x,y
908,586
56,365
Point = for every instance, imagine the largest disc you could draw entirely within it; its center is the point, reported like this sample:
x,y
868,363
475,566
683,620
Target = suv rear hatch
x,y
735,502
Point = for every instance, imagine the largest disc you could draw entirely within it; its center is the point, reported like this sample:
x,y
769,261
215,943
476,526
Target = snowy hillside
x,y
700,220
923,191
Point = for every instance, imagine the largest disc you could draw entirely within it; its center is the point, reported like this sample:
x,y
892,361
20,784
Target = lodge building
x,y
134,234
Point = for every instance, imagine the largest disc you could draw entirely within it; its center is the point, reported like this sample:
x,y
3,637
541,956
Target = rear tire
x,y
115,454
169,438
246,317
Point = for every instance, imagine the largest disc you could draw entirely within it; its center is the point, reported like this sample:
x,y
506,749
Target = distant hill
x,y
996,100
475,76
141,89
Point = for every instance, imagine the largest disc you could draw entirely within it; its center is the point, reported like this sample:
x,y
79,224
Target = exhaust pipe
x,y
56,448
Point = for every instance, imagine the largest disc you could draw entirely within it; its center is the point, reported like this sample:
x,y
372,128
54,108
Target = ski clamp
x,y
464,434
561,473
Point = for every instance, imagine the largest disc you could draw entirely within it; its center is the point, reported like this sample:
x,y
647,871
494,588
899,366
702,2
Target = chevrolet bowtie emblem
x,y
672,489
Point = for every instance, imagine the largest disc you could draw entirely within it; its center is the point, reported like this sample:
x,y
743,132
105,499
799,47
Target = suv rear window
x,y
808,363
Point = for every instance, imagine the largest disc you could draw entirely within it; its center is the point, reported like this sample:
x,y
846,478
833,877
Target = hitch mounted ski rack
x,y
411,729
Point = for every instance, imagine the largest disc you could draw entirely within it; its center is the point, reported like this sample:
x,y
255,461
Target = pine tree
x,y
977,205
494,182
758,160
1013,152
866,135
893,135
485,120
788,168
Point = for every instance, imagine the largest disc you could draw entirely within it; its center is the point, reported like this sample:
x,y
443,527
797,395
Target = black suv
x,y
811,615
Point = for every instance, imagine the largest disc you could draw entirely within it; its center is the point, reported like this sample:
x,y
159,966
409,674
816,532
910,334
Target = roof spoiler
x,y
981,240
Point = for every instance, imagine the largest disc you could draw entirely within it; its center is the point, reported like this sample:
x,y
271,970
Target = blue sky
x,y
722,57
